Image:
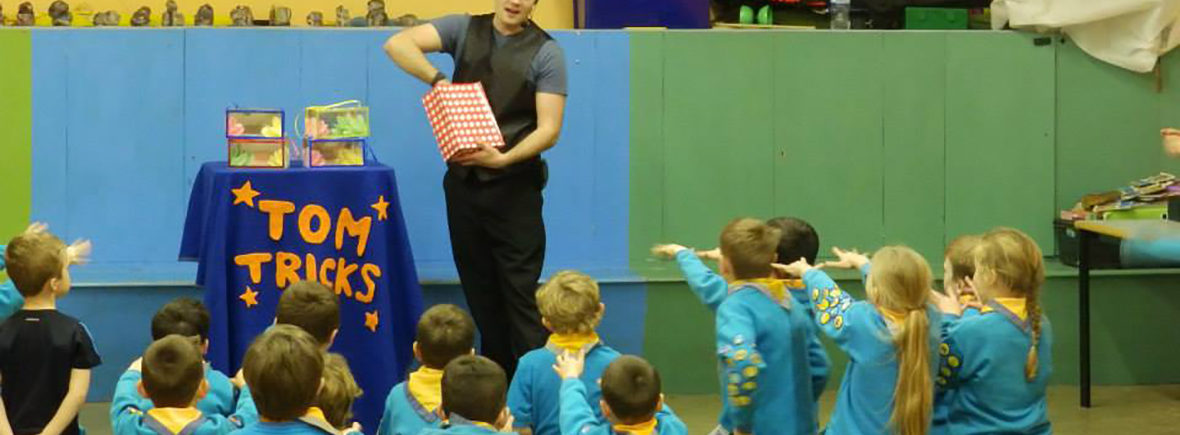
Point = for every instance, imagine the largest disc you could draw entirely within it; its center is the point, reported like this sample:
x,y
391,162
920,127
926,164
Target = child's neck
x,y
42,301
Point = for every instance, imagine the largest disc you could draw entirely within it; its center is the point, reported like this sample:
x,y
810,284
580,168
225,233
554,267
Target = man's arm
x,y
5,428
550,112
408,50
75,397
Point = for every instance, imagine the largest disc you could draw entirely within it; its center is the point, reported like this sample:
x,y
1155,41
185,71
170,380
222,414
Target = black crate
x,y
1104,253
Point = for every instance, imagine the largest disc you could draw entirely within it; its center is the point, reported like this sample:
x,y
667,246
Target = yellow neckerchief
x,y
425,385
175,419
776,287
573,342
315,412
485,425
1018,306
645,428
794,284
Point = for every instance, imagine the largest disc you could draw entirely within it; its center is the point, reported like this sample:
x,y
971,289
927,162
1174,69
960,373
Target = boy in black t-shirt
x,y
45,356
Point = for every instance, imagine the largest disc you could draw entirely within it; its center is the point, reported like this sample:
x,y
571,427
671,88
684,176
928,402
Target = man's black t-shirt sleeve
x,y
85,356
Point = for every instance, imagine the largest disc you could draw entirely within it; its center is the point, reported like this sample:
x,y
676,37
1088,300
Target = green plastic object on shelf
x,y
935,18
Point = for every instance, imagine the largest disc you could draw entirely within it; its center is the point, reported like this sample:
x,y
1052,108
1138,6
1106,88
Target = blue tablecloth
x,y
289,224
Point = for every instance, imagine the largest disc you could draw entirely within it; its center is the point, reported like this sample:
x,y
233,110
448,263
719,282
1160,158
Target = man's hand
x,y
137,365
486,156
667,251
796,269
851,259
570,365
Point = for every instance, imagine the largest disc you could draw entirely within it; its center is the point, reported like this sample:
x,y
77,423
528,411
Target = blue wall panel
x,y
50,132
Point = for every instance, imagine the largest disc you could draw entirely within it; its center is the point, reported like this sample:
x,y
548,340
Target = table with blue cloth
x,y
255,231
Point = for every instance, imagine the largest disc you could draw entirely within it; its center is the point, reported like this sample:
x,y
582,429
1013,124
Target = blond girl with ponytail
x,y
997,360
891,340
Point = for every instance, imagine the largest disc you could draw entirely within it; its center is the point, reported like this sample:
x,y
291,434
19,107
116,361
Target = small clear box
x,y
335,152
258,153
345,120
254,123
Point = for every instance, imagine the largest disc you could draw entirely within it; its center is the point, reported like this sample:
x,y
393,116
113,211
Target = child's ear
x,y
606,411
142,391
417,353
548,326
332,338
203,390
472,352
204,347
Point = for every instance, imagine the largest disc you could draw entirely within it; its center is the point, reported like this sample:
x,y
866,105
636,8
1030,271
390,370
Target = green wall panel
x,y
914,133
647,149
680,340
718,135
999,134
827,132
1107,125
16,129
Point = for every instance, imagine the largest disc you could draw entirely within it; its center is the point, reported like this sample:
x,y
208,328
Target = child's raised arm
x,y
837,313
710,287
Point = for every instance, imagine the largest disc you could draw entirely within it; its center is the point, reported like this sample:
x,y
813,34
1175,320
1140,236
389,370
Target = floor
x,y
1140,410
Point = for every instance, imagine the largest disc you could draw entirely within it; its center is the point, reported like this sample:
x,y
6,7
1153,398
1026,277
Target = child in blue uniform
x,y
996,362
631,399
188,317
174,378
891,340
570,308
283,369
958,266
445,332
340,390
798,241
762,335
473,398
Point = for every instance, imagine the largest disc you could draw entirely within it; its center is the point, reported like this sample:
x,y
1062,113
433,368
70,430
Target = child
x,y
284,368
445,332
570,308
473,398
45,356
798,240
338,393
312,306
997,362
174,378
891,341
762,336
188,317
958,265
10,298
631,399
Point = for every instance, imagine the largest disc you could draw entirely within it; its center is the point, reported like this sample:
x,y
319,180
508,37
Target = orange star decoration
x,y
371,321
382,208
245,194
250,297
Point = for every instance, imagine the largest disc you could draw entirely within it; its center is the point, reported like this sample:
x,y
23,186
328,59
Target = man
x,y
494,195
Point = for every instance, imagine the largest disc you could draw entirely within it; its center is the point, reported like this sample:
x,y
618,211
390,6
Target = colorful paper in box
x,y
258,153
254,123
343,120
461,118
334,152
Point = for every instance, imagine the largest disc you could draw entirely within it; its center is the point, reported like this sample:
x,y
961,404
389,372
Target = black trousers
x,y
498,241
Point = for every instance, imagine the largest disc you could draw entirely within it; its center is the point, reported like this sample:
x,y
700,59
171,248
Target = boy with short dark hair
x,y
571,309
762,335
174,379
188,317
631,399
45,356
312,306
473,398
445,332
284,368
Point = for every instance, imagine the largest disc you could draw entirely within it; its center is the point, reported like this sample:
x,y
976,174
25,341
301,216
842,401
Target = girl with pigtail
x,y
891,340
996,361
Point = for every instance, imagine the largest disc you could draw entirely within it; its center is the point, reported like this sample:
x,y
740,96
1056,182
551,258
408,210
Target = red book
x,y
461,118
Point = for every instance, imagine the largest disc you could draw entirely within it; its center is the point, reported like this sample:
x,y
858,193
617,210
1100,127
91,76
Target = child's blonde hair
x,y
900,281
1010,258
750,246
338,392
960,253
570,303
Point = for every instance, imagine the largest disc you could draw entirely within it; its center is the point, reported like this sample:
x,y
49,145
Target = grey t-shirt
x,y
547,71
